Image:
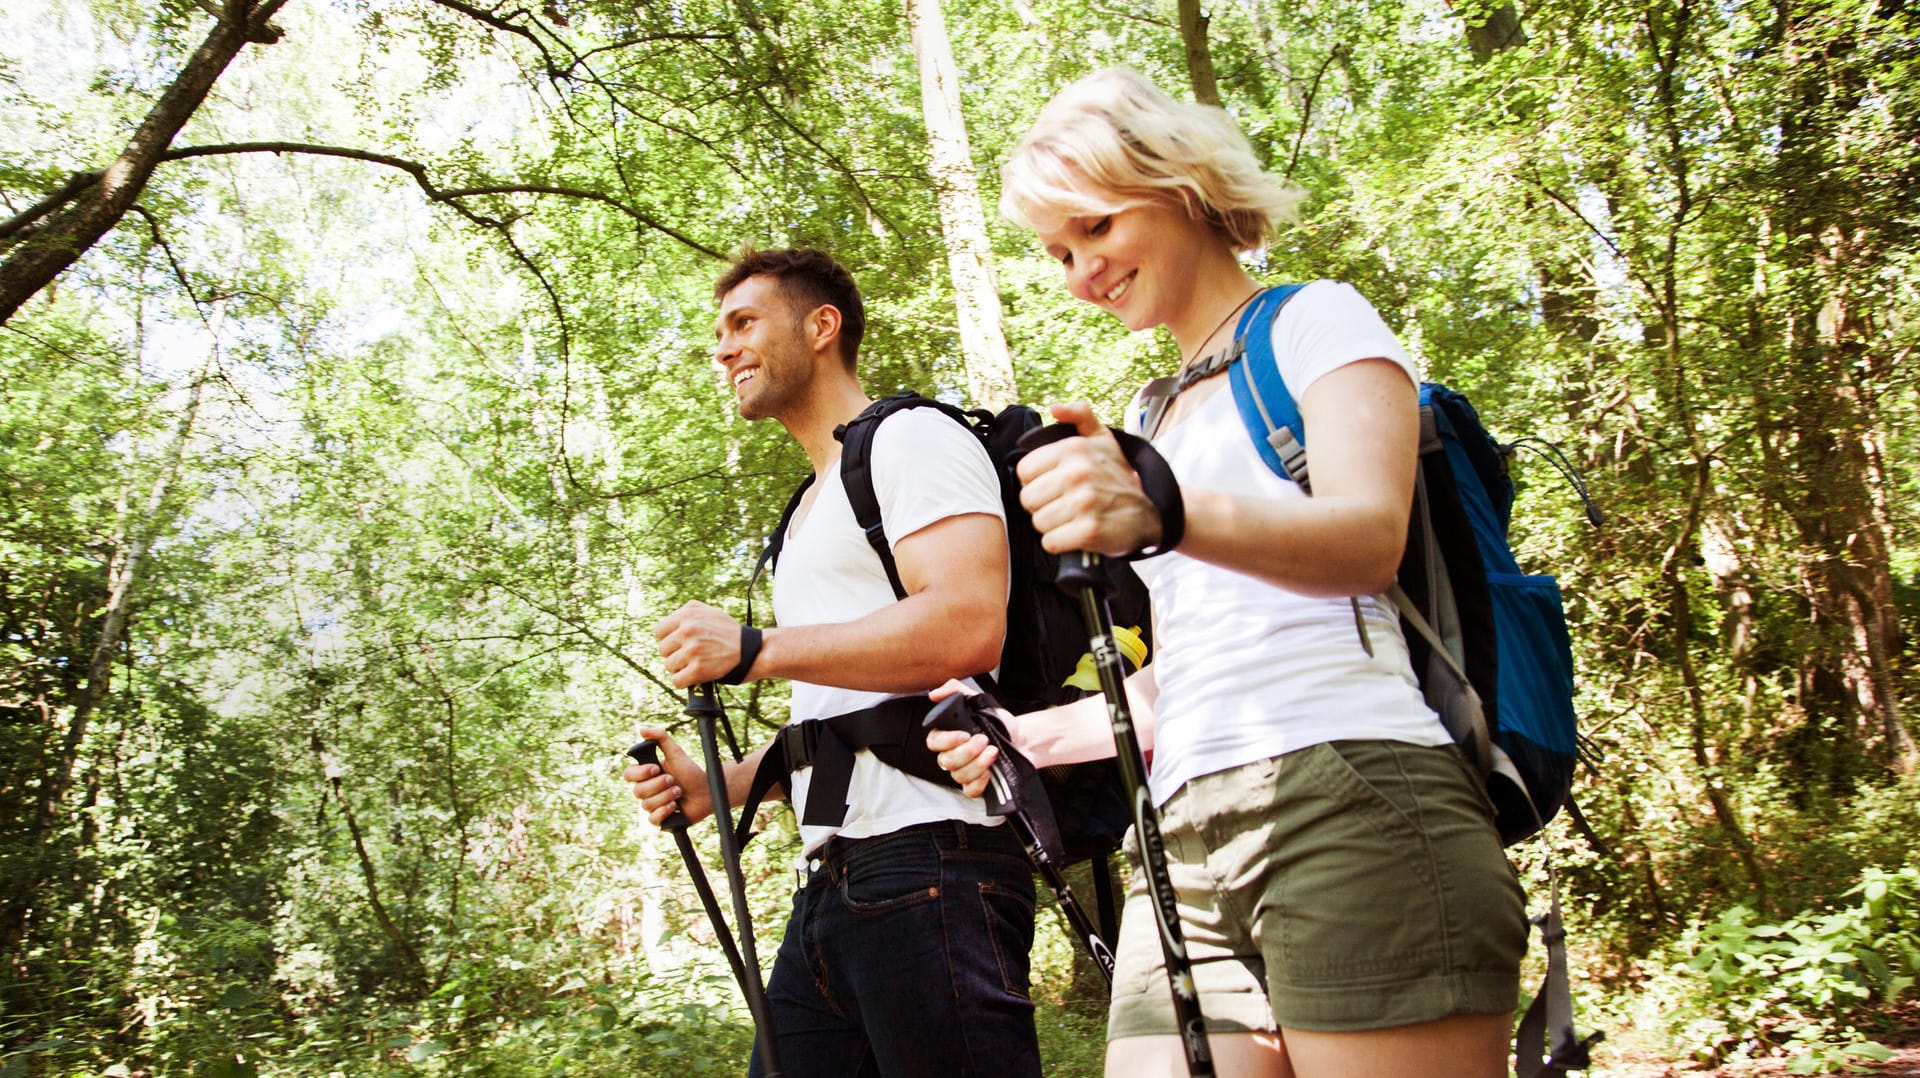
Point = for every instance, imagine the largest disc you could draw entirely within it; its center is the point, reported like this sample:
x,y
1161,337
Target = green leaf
x,y
1873,1050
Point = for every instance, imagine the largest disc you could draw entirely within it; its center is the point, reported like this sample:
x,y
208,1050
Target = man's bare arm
x,y
950,625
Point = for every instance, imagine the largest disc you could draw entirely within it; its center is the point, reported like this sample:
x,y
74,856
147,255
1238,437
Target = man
x,y
907,949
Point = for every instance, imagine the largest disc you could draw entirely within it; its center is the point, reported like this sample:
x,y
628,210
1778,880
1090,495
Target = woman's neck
x,y
1220,287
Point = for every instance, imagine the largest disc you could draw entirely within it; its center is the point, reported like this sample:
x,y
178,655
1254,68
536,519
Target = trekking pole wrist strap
x,y
749,651
1156,481
1161,488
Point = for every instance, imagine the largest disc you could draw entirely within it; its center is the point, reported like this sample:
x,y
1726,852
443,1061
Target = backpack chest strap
x,y
890,730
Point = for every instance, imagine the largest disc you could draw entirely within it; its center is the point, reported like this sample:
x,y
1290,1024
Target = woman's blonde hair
x,y
1114,140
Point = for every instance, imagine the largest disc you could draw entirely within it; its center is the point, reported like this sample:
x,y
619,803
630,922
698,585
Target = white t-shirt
x,y
925,468
1247,670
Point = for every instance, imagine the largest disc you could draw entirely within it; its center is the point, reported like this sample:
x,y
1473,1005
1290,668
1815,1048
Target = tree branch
x,y
1633,270
179,271
87,211
1306,107
449,196
18,226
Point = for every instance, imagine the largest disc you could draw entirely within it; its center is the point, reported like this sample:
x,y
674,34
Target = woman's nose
x,y
1085,271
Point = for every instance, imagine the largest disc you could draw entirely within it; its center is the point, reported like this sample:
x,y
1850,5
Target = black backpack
x,y
1046,637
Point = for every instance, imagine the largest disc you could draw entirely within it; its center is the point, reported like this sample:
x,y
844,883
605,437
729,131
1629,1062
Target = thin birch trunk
x,y
983,340
133,540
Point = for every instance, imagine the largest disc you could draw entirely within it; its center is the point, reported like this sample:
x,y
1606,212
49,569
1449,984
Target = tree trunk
x,y
1501,29
135,536
983,341
1193,35
415,970
80,213
1839,503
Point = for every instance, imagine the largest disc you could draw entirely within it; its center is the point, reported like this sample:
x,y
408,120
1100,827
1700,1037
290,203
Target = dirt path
x,y
1904,1064
1904,1040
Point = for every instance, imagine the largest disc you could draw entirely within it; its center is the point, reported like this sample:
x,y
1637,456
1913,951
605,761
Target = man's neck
x,y
811,421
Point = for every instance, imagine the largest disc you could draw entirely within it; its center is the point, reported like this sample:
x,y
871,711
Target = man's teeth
x,y
744,377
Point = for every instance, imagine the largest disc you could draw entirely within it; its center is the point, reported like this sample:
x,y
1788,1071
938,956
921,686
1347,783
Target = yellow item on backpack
x,y
1132,648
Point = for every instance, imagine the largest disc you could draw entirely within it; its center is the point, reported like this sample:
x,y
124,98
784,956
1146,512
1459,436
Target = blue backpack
x,y
1488,642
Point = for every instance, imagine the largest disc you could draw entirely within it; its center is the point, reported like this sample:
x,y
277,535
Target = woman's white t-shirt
x,y
1246,670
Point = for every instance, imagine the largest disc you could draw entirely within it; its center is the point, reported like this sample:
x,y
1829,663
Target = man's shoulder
x,y
921,414
925,465
924,430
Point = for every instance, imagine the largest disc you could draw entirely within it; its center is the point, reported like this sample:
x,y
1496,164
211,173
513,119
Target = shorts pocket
x,y
1375,785
1361,894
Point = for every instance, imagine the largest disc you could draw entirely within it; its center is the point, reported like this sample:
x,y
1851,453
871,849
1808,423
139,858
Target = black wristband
x,y
749,651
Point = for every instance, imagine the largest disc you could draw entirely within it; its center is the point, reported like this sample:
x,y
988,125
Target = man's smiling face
x,y
760,348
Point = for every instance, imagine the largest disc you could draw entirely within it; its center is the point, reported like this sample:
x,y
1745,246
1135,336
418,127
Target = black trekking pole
x,y
703,703
956,713
1084,575
647,752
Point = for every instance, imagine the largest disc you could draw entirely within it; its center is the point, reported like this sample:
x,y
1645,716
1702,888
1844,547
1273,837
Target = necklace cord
x,y
1186,362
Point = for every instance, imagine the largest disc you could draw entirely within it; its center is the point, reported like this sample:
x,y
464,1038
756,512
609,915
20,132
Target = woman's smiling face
x,y
1137,262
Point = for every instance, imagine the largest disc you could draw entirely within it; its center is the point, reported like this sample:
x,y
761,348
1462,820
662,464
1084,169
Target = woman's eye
x,y
1067,260
1100,227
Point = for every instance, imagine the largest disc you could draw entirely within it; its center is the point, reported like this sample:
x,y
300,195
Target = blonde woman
x,y
1343,892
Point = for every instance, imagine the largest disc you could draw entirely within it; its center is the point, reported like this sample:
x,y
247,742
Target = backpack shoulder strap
x,y
1266,408
856,471
770,554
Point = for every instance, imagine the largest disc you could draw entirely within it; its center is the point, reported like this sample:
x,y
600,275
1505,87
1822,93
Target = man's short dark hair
x,y
809,279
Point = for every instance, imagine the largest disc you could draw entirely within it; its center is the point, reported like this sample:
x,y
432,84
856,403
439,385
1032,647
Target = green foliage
x,y
1742,986
346,802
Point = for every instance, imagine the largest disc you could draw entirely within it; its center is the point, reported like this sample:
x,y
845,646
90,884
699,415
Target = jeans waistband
x,y
942,834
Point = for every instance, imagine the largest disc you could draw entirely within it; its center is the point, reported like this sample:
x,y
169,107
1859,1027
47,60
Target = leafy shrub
x,y
1739,987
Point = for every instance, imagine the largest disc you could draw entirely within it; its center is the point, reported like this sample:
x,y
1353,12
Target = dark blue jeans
x,y
906,956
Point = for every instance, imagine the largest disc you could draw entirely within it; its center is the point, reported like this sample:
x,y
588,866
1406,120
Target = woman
x,y
1343,893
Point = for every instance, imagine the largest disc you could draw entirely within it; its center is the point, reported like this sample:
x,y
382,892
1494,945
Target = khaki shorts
x,y
1345,886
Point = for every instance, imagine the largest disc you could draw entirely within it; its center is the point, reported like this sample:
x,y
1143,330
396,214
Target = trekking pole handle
x,y
956,713
1082,569
1078,568
648,752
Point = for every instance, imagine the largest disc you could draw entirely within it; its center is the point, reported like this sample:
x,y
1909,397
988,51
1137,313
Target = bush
x,y
1741,988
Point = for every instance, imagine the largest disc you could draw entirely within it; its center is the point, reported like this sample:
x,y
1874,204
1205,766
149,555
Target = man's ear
x,y
822,327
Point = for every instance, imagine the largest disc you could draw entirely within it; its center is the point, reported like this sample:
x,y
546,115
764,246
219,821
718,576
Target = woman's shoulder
x,y
1326,325
1327,298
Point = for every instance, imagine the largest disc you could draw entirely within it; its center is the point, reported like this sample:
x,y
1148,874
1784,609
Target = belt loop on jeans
x,y
804,873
